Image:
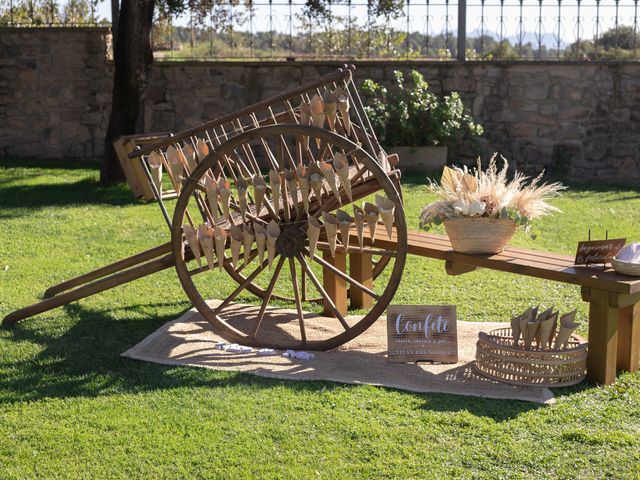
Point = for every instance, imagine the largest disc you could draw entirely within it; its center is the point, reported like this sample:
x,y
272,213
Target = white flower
x,y
477,208
461,208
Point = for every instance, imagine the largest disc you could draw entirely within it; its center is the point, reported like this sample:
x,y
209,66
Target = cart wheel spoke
x,y
240,287
325,295
303,282
267,297
253,254
346,277
296,293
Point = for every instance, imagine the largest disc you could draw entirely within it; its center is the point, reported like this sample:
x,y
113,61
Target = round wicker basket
x,y
498,359
481,235
626,268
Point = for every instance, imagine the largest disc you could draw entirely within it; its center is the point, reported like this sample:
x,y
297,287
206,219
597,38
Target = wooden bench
x,y
614,300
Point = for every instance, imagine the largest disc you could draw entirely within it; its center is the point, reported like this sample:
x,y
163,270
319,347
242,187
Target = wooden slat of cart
x,y
132,167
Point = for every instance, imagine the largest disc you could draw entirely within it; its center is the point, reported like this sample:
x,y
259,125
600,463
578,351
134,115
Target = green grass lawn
x,y
70,407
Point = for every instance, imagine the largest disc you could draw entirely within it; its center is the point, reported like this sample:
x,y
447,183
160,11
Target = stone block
x,y
538,154
630,84
27,63
630,169
523,129
575,95
548,109
232,90
564,156
92,118
595,148
620,115
577,112
163,121
569,72
12,50
213,109
536,119
535,92
623,150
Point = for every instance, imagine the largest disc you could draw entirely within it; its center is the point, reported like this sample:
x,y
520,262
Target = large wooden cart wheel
x,y
309,176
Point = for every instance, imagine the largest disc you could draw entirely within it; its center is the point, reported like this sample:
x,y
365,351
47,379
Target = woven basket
x,y
480,235
498,359
626,268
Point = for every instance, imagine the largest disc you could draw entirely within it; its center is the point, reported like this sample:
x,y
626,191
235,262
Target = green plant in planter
x,y
411,115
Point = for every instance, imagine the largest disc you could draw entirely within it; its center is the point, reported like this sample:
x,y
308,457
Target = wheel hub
x,y
290,242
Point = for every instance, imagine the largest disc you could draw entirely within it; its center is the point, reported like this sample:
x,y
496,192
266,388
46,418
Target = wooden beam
x,y
361,269
109,269
628,356
621,301
335,286
603,339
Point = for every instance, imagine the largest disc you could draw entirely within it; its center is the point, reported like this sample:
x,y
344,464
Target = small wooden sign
x,y
422,332
598,251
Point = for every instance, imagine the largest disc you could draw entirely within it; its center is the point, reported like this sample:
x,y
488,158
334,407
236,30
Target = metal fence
x,y
414,29
50,13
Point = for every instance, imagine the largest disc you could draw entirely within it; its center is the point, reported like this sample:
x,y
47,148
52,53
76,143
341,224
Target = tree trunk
x,y
132,61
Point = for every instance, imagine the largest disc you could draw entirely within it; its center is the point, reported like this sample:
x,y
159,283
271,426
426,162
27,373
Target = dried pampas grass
x,y
489,193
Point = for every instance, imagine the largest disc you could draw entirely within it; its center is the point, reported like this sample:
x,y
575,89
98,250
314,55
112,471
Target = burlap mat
x,y
190,340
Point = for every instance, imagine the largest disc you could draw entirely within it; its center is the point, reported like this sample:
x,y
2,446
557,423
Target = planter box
x,y
420,158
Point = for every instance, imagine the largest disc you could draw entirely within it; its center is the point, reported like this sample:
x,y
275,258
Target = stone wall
x,y
55,91
578,119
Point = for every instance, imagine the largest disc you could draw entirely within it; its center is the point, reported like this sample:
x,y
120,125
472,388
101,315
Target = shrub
x,y
412,115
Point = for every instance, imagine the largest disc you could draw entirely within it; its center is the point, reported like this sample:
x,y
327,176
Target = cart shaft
x,y
123,271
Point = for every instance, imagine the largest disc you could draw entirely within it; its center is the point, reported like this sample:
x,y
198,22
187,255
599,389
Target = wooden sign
x,y
598,251
422,332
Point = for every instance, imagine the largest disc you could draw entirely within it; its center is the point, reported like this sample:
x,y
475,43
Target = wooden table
x,y
614,300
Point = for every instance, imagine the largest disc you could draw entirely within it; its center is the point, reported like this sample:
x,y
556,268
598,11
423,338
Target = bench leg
x,y
629,338
603,339
361,269
335,286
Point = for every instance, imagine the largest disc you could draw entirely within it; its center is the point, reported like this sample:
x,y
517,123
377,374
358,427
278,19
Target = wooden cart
x,y
261,181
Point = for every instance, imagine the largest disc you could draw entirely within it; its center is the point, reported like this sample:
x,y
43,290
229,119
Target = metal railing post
x,y
462,30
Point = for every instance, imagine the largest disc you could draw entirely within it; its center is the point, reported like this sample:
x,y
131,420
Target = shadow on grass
x,y
85,362
82,192
35,163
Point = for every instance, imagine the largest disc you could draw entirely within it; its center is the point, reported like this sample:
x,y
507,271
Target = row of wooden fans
x,y
209,241
325,108
187,156
305,180
368,215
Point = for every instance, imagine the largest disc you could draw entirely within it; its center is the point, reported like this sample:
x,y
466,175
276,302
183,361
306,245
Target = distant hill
x,y
548,39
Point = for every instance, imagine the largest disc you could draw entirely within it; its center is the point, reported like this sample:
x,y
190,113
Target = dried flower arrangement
x,y
489,194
